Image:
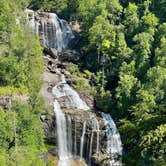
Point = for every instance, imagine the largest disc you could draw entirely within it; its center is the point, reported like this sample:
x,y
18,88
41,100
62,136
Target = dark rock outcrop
x,y
70,56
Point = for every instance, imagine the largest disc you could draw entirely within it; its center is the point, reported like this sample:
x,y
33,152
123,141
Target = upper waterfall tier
x,y
53,31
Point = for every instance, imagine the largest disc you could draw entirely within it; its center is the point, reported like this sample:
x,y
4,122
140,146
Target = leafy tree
x,y
149,22
21,66
131,20
49,5
87,11
125,93
114,9
104,33
142,50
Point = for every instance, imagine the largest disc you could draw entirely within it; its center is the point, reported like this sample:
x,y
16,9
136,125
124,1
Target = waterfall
x,y
98,135
73,100
61,32
95,129
64,124
75,138
82,139
69,134
61,131
114,144
30,18
55,32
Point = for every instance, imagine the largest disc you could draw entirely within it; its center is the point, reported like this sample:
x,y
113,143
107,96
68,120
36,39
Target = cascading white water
x,y
62,132
64,125
98,135
82,139
30,18
75,138
69,134
55,32
73,100
95,129
114,144
61,32
90,148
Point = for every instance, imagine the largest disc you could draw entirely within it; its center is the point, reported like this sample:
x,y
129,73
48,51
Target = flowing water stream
x,y
64,152
73,148
82,139
114,144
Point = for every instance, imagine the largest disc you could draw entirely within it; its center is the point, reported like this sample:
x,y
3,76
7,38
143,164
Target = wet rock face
x,y
66,56
75,26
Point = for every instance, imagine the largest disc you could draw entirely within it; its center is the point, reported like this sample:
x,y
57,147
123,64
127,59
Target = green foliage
x,y
149,22
131,20
7,128
87,11
21,65
104,37
114,8
73,70
122,51
142,50
6,90
154,142
103,99
81,84
49,5
160,54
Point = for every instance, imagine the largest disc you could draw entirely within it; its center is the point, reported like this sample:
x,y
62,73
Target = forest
x,y
124,45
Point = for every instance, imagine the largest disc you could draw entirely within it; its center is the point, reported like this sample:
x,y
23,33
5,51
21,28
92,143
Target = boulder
x,y
70,56
75,26
51,51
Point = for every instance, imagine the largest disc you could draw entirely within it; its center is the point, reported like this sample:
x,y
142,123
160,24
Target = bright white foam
x,y
73,99
114,144
61,132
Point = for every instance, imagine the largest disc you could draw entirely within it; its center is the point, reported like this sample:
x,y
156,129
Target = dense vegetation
x,y
126,42
21,135
125,46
